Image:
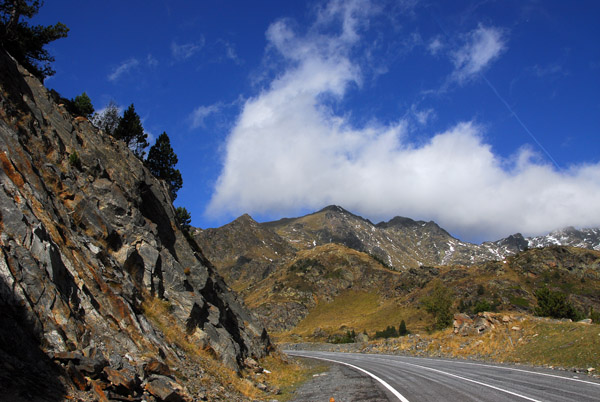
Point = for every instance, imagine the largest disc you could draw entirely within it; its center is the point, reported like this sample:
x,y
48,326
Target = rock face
x,y
87,237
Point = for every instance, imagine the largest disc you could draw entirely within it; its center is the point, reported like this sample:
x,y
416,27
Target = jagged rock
x,y
463,324
361,337
83,249
156,367
122,381
76,376
166,389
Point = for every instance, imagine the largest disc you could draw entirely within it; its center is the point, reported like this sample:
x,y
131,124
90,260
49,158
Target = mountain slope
x,y
285,269
88,243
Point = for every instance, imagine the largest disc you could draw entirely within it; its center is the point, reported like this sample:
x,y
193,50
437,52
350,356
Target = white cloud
x,y
186,50
422,116
151,61
230,52
483,45
289,152
435,46
202,112
124,68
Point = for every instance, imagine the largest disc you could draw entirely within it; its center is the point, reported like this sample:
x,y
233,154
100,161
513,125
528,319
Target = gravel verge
x,y
341,383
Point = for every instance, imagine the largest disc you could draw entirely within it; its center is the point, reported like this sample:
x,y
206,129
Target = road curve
x,y
413,379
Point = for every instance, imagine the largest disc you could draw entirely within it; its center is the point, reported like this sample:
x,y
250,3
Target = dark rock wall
x,y
83,245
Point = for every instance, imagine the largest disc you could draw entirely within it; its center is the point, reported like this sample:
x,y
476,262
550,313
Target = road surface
x,y
415,379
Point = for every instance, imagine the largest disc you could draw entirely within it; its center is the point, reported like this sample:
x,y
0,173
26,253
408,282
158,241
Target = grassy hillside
x,y
522,339
341,289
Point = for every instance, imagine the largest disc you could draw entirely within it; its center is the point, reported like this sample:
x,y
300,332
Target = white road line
x,y
467,379
482,365
520,370
385,384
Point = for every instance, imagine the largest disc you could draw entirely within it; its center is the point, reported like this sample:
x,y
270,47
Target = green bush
x,y
348,337
74,160
439,303
555,304
519,301
483,305
389,332
595,316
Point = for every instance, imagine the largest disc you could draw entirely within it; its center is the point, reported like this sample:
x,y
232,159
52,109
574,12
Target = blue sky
x,y
483,116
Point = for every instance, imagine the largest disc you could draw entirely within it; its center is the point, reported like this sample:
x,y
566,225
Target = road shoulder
x,y
341,383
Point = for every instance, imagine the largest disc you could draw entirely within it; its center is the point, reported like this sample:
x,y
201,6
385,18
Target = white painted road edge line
x,y
385,384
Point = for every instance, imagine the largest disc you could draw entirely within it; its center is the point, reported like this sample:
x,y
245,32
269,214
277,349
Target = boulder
x,y
463,324
156,367
122,381
166,389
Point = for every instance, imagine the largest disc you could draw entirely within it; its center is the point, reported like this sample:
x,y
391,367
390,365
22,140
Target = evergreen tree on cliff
x,y
26,43
161,162
82,105
130,131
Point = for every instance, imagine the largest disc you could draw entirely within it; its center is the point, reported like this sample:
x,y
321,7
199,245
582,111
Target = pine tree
x,y
161,162
183,218
402,329
82,105
130,131
26,43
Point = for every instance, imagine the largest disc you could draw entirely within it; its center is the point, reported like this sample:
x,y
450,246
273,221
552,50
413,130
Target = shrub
x,y
595,316
484,305
348,337
439,303
389,332
519,301
74,160
555,304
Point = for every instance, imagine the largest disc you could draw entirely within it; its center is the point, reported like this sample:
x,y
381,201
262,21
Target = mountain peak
x,y
399,221
334,208
244,219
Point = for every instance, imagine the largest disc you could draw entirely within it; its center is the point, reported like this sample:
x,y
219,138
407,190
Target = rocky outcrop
x,y
87,238
482,322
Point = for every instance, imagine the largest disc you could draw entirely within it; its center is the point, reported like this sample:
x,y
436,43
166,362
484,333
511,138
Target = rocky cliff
x,y
87,242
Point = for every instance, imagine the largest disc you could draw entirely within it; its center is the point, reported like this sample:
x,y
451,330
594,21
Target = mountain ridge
x,y
322,255
403,242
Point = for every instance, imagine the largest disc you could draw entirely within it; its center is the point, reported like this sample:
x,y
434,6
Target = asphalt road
x,y
422,379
